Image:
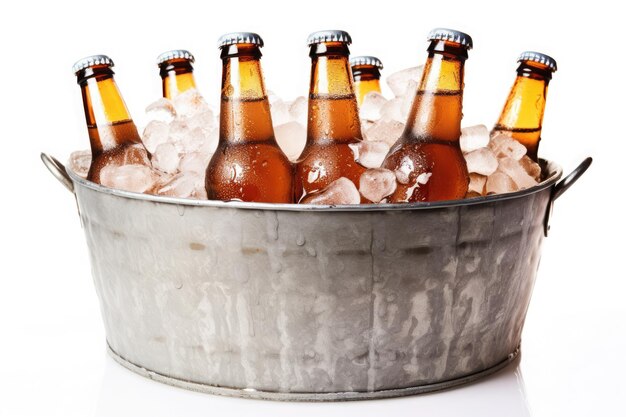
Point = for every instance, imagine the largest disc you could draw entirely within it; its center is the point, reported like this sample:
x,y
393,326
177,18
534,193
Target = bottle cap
x,y
538,57
329,36
366,60
239,37
175,54
452,36
91,61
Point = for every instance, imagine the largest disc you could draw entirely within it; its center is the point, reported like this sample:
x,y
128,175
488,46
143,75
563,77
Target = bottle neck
x,y
522,115
366,79
108,120
333,113
244,109
437,109
177,77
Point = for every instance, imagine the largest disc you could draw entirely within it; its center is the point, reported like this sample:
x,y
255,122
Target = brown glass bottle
x,y
522,115
113,136
427,158
333,117
366,75
176,70
248,164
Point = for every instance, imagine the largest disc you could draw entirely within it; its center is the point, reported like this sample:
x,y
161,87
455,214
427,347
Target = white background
x,y
52,350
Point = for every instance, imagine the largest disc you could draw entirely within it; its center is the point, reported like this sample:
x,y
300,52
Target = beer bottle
x,y
366,74
522,114
176,70
427,157
248,164
113,136
333,118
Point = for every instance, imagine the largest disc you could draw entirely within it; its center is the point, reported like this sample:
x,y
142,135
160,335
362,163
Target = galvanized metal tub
x,y
298,302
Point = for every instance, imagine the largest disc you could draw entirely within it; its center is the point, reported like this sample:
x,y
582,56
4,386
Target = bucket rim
x,y
551,171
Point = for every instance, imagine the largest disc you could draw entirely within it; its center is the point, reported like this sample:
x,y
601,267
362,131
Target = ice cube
x,y
531,167
190,103
407,99
498,183
272,97
477,184
200,192
155,133
372,105
211,139
80,162
191,140
298,110
377,183
370,154
365,124
194,162
162,110
398,82
392,110
481,161
133,177
340,191
179,129
280,112
133,154
291,138
474,137
387,131
166,158
205,120
505,146
518,174
180,185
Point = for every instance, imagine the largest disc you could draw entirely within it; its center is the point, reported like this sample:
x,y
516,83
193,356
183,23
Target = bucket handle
x,y
563,186
58,170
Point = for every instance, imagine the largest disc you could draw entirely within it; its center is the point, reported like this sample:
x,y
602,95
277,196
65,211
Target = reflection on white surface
x,y
125,393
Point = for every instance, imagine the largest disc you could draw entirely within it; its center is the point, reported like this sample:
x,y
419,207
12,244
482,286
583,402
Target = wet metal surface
x,y
313,301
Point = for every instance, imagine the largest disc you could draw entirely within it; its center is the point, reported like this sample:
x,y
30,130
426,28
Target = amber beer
x,y
366,75
248,164
427,157
333,117
522,114
176,71
113,136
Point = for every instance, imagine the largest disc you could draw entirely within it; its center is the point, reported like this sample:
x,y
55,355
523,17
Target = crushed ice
x,y
182,134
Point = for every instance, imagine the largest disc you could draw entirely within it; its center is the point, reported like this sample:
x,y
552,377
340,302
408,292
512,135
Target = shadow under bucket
x,y
316,303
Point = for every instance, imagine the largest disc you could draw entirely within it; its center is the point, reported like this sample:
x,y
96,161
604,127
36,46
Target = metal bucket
x,y
302,302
